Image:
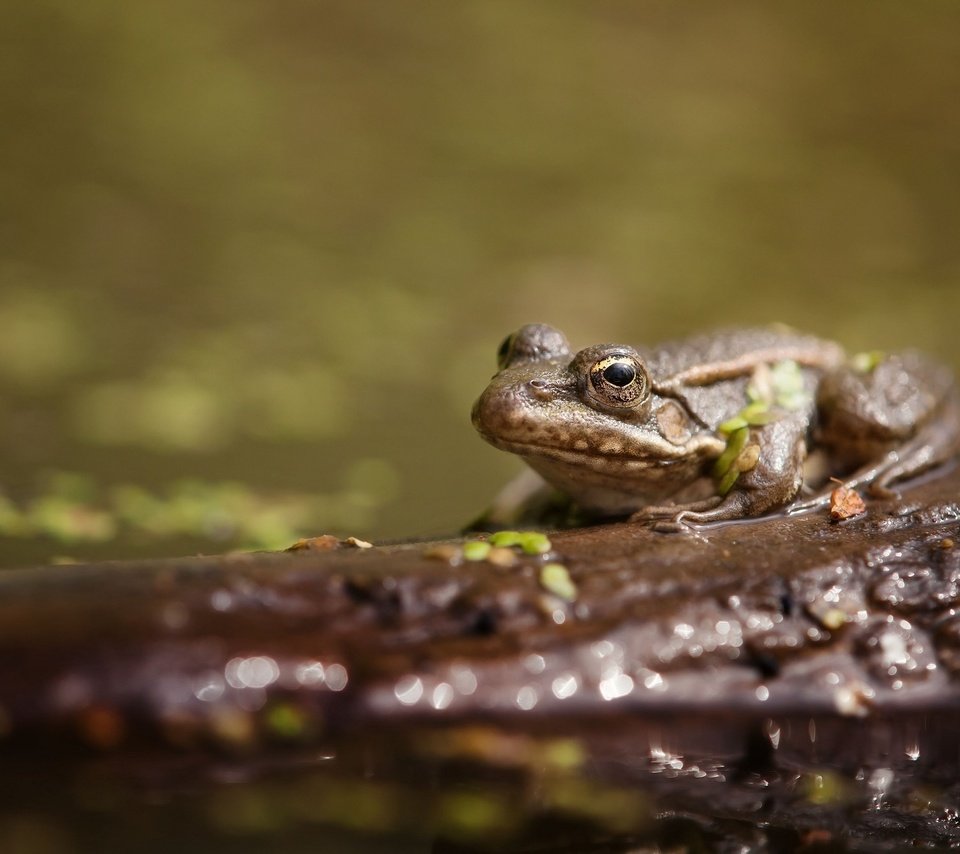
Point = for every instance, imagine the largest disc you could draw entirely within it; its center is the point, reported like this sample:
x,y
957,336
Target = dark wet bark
x,y
737,645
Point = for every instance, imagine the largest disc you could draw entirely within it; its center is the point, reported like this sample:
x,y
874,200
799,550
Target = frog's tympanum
x,y
723,426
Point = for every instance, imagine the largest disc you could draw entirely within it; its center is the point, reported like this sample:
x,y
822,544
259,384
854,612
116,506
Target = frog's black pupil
x,y
619,374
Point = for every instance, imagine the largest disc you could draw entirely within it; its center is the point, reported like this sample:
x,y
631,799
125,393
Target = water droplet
x,y
442,696
258,671
310,674
527,697
565,685
336,676
616,686
409,690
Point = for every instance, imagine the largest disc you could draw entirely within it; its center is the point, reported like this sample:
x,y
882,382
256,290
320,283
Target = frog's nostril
x,y
540,389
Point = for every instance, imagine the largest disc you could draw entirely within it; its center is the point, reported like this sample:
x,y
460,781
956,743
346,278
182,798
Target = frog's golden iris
x,y
619,380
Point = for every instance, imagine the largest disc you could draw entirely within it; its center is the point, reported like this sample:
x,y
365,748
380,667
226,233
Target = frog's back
x,y
766,343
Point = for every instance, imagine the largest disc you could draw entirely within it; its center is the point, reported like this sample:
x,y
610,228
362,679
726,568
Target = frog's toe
x,y
671,526
673,518
882,489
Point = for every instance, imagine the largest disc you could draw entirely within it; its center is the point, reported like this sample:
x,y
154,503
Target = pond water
x,y
256,259
605,786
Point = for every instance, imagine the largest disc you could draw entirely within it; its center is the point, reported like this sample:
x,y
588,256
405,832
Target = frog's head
x,y
581,419
543,397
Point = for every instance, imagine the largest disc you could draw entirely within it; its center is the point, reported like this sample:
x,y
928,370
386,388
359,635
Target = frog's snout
x,y
505,410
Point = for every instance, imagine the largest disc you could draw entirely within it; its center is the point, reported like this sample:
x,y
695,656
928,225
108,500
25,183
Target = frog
x,y
722,426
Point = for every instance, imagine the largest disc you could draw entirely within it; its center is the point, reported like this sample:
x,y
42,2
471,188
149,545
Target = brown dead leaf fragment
x,y
327,542
323,543
845,503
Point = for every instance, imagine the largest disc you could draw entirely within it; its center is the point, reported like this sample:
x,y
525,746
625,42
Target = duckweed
x,y
74,509
529,542
555,578
754,414
735,444
476,550
781,385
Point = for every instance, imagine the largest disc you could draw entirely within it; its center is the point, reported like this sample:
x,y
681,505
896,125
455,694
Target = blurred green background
x,y
256,257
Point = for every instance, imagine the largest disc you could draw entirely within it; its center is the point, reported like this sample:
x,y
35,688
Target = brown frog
x,y
715,427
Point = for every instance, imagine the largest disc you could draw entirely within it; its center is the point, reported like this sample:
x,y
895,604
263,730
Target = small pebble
x,y
445,551
500,556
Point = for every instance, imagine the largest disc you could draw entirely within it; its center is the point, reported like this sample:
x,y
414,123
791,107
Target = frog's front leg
x,y
761,470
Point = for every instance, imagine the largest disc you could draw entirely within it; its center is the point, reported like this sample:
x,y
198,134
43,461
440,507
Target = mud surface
x,y
790,676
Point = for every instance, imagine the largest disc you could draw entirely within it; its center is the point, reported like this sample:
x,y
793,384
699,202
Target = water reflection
x,y
488,784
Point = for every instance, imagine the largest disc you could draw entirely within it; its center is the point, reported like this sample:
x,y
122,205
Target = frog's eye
x,y
505,350
619,380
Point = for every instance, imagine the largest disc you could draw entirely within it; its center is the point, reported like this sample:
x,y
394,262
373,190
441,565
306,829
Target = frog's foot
x,y
929,448
881,490
736,505
672,511
856,429
869,476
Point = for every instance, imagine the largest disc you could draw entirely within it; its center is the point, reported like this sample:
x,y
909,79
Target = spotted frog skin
x,y
716,427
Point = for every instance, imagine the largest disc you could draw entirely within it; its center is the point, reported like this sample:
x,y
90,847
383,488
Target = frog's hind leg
x,y
935,443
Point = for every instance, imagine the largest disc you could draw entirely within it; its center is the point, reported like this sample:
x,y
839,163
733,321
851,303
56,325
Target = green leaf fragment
x,y
556,579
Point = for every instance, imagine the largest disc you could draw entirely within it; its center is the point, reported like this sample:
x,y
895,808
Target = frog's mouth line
x,y
660,453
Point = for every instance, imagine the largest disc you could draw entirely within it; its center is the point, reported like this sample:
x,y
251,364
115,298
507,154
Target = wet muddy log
x,y
781,650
